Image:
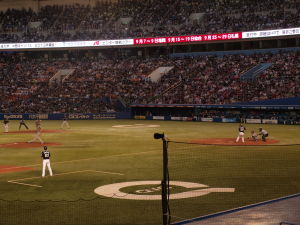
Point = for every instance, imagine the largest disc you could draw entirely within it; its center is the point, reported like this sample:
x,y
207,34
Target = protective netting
x,y
226,177
98,211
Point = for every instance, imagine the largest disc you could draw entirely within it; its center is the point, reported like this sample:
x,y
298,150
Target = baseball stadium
x,y
153,112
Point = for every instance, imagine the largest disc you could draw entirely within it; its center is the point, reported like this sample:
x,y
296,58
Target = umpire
x,y
22,123
264,134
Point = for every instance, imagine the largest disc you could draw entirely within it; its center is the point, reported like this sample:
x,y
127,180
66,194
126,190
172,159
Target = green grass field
x,y
94,153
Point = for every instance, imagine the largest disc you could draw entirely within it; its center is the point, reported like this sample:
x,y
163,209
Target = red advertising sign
x,y
190,38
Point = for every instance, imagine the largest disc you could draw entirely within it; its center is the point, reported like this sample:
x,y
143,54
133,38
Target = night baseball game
x,y
155,112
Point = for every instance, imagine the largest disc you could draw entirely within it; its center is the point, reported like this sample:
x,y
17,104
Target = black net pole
x,y
165,185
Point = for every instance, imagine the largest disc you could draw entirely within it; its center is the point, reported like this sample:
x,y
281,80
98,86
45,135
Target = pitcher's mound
x,y
231,141
28,145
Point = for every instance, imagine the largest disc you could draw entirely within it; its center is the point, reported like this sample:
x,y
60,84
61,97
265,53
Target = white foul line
x,y
32,185
79,160
60,174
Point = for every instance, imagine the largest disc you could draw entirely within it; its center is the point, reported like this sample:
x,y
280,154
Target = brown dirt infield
x,y
28,145
9,169
231,141
34,131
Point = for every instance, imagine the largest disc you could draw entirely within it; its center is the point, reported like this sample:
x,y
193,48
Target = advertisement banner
x,y
229,120
190,38
158,117
66,44
153,40
271,33
253,120
140,117
24,116
203,119
11,116
70,116
178,118
270,121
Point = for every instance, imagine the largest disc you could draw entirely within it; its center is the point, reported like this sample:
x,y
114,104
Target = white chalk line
x,y
76,160
59,174
31,185
79,160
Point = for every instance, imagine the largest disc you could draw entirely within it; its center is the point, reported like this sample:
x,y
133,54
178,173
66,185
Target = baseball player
x,y
22,123
65,123
5,125
253,136
241,133
37,136
46,161
263,134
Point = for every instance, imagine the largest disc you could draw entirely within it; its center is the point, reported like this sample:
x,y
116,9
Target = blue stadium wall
x,y
70,116
178,112
293,102
279,111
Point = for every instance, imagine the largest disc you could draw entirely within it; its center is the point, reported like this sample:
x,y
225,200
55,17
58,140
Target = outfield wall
x,y
259,114
70,116
213,119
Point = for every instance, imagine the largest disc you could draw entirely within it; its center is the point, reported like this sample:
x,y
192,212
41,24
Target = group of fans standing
x,y
254,136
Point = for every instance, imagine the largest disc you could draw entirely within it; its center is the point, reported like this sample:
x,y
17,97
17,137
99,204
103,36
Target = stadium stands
x,y
145,19
96,84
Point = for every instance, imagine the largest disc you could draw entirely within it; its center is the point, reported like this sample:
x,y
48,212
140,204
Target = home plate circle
x,y
114,190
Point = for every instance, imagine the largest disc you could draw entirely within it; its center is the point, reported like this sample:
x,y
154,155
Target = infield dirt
x,y
8,169
231,141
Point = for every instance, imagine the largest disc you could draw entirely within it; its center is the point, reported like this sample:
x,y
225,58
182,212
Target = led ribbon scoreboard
x,y
153,40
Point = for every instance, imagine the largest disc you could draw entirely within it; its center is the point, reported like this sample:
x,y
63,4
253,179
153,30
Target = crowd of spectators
x,y
146,19
98,85
216,80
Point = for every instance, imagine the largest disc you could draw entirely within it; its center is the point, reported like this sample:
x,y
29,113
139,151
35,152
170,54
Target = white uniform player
x,y
264,134
241,133
46,161
37,136
5,125
65,124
